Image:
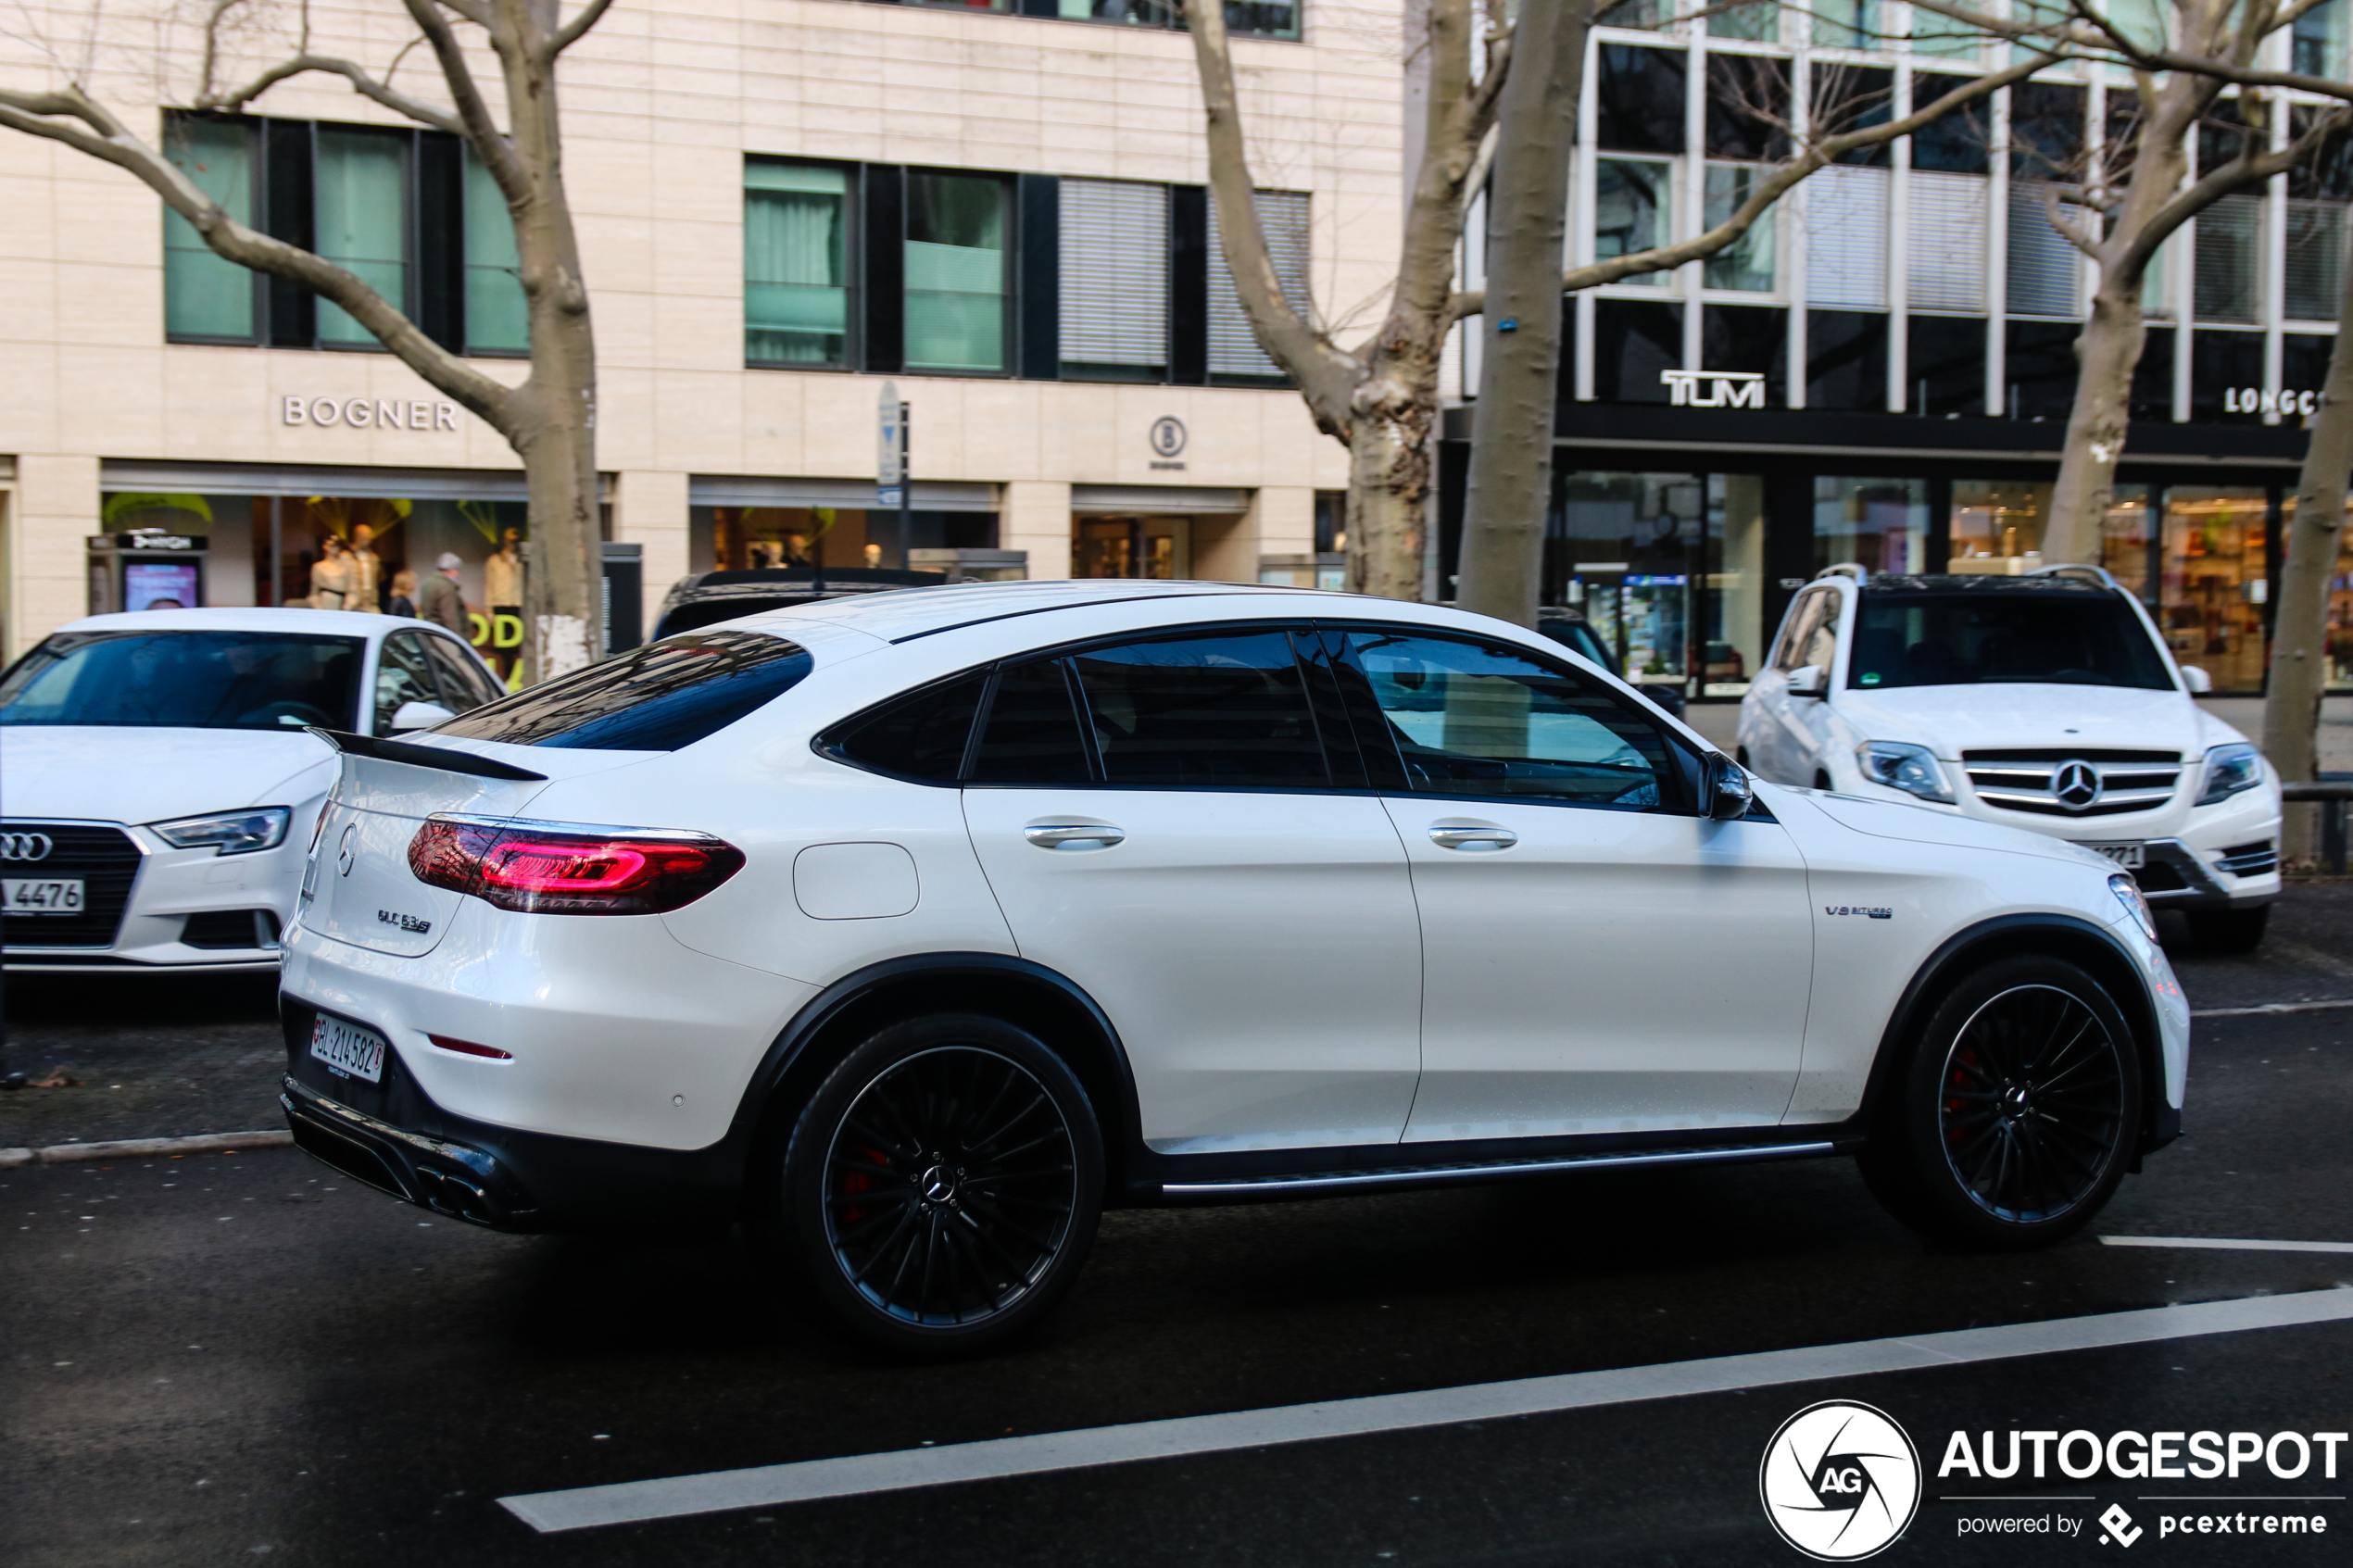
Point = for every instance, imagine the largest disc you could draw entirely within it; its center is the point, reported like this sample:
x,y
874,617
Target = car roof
x,y
1985,582
916,612
313,622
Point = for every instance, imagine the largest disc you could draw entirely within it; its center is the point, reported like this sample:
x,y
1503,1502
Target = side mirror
x,y
419,716
2197,681
1729,795
1809,680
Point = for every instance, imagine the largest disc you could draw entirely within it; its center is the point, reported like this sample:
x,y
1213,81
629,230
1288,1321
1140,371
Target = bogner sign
x,y
367,413
1713,389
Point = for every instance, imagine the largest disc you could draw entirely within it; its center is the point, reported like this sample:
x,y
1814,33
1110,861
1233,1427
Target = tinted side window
x,y
402,676
1484,719
464,684
658,697
920,736
1221,710
1032,735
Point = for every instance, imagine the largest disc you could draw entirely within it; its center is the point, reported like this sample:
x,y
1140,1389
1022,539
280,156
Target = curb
x,y
123,1148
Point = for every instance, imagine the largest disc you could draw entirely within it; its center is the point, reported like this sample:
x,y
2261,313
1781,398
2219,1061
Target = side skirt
x,y
1306,1184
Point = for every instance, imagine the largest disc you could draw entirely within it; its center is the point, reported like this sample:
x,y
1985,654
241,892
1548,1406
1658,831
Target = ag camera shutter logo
x,y
1840,1481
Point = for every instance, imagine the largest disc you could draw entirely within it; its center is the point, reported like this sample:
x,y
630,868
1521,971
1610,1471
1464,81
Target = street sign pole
x,y
906,481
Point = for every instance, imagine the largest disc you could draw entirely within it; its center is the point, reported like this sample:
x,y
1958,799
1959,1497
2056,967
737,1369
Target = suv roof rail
x,y
2088,573
1849,569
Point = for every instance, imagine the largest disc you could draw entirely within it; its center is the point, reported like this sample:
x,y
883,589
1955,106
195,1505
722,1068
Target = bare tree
x,y
2137,194
550,419
1380,397
1512,439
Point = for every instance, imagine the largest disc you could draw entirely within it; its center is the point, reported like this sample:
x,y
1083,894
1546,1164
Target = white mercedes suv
x,y
2047,702
913,930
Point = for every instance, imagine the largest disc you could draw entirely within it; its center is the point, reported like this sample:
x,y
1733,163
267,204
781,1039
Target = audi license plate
x,y
2131,856
349,1048
43,896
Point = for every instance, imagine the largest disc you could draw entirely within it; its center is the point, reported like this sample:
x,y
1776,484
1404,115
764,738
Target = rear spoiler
x,y
448,760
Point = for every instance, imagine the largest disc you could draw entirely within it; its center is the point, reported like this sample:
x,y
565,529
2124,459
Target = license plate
x,y
42,895
2131,856
354,1051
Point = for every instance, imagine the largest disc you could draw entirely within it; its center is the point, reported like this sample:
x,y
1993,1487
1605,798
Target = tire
x,y
2229,931
2016,1113
941,1190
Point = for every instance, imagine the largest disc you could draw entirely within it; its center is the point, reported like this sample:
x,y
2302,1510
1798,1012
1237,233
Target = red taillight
x,y
548,871
467,1047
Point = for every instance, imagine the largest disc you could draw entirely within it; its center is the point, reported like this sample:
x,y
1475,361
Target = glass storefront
x,y
1158,548
2217,581
1997,526
329,552
1879,524
748,538
1625,548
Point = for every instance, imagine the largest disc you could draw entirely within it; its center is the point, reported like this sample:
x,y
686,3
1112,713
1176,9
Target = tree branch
x,y
1325,374
1782,180
590,14
480,131
366,85
2240,172
71,117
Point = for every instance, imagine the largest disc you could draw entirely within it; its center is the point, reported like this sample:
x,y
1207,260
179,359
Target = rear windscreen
x,y
658,697
1980,638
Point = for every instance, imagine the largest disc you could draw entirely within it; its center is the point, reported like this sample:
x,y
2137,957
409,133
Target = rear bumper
x,y
394,1137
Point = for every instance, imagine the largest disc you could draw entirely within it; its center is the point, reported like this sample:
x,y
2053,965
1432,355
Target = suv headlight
x,y
2231,769
232,833
2128,892
1900,765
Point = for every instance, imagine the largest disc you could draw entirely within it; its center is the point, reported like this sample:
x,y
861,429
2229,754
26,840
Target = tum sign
x,y
1713,389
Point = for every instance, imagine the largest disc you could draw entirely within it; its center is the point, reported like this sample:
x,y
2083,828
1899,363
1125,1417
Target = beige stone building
x,y
784,204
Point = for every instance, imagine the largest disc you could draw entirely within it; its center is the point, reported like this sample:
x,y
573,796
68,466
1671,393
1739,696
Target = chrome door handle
x,y
1475,840
1073,836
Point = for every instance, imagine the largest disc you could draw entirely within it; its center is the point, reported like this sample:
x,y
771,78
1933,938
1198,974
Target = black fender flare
x,y
2161,1122
1109,1077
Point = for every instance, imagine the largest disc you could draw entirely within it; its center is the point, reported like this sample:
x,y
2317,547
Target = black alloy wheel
x,y
944,1184
2017,1116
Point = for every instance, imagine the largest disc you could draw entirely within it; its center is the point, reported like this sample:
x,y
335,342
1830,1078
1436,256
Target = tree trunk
x,y
2299,627
1511,468
2106,353
1388,486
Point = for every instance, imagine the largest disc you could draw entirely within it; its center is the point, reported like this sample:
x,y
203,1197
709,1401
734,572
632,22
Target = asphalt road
x,y
236,1358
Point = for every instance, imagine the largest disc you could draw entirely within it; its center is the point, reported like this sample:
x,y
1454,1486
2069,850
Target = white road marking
x,y
2224,1244
2273,1007
767,1486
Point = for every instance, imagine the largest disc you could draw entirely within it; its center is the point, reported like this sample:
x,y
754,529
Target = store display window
x,y
1997,526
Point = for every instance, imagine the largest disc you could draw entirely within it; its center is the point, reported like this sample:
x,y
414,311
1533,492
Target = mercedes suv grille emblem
x,y
2075,784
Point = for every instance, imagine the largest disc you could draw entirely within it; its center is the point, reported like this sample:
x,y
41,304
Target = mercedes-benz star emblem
x,y
347,850
2075,784
25,845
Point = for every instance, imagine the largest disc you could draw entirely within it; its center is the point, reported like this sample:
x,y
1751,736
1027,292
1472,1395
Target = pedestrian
x,y
440,602
404,595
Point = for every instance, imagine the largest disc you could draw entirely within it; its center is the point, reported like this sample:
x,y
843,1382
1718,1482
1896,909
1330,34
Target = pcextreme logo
x,y
1840,1481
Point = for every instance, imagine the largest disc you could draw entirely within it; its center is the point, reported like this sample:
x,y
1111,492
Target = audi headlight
x,y
232,833
2231,769
2128,892
1899,765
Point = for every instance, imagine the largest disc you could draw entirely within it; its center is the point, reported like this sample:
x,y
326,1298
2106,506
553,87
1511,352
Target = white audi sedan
x,y
160,780
914,930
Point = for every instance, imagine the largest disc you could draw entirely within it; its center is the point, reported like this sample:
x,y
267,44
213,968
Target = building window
x,y
1632,200
1641,99
957,234
2046,270
1847,24
207,296
2039,359
2317,44
1634,340
1845,229
1845,360
1750,340
1758,22
1244,18
1945,256
2226,260
1235,358
1114,281
796,305
360,187
497,319
1747,263
1945,355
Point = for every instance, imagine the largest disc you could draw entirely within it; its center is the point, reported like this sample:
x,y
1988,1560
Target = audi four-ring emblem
x,y
25,845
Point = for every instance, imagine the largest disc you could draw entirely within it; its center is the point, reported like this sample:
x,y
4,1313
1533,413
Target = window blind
x,y
1114,274
1846,237
2224,286
361,196
206,295
1233,347
2046,273
796,263
497,314
2315,259
1946,270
